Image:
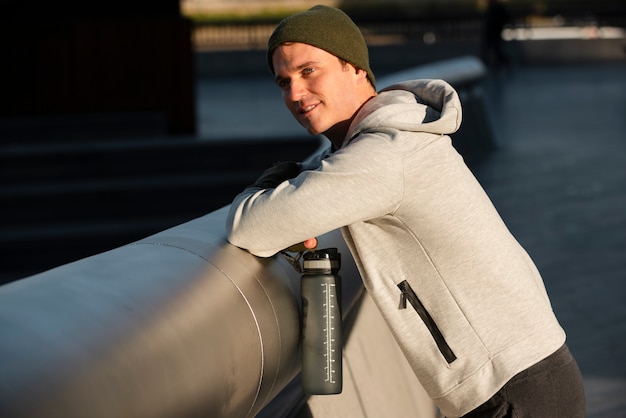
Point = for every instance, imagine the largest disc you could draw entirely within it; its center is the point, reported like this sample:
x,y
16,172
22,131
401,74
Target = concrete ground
x,y
559,181
558,178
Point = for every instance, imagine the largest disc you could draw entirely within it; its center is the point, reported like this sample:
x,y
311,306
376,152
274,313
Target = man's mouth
x,y
306,109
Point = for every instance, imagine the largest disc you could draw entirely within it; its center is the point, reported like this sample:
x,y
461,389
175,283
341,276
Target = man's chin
x,y
311,129
313,132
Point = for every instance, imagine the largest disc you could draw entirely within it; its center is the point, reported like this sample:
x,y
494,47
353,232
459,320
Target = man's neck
x,y
337,133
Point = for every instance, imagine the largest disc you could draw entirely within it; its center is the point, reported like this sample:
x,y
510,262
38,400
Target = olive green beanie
x,y
326,28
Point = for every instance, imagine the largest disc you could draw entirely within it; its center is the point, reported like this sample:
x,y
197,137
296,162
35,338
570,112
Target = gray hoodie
x,y
461,296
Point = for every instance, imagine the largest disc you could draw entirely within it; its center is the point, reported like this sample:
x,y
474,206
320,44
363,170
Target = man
x,y
478,328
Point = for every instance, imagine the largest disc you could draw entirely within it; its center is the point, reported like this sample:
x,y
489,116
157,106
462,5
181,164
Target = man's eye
x,y
308,71
283,83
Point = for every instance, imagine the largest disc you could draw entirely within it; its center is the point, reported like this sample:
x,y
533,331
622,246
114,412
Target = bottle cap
x,y
326,259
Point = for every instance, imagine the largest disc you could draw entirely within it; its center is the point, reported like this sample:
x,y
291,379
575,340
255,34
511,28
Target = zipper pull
x,y
402,301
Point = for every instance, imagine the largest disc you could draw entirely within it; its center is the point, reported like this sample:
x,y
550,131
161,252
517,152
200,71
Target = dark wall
x,y
70,58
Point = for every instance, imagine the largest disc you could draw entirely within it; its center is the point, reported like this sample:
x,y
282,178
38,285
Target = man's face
x,y
317,88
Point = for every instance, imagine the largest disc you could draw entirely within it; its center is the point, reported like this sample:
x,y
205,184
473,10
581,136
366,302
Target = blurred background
x,y
121,119
116,119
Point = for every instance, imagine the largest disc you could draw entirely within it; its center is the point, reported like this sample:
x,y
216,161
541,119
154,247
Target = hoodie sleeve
x,y
359,182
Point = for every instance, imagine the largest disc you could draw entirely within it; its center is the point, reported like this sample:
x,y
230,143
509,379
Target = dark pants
x,y
552,388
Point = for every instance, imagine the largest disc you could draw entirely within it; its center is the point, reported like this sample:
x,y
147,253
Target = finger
x,y
310,244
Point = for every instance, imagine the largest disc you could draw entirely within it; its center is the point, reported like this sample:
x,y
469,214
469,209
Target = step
x,y
67,200
126,159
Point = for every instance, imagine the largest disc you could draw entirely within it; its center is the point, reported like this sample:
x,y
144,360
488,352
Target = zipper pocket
x,y
408,293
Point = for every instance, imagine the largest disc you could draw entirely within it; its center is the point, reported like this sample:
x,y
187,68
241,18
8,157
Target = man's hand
x,y
278,173
309,244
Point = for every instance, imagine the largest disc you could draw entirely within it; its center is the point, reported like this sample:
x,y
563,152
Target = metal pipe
x,y
180,324
460,72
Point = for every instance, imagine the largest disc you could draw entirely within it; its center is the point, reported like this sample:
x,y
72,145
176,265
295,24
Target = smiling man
x,y
478,328
313,84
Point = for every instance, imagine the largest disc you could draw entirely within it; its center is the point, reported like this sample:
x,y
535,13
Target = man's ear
x,y
361,74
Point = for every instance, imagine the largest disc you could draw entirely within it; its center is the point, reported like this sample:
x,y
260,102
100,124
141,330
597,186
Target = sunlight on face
x,y
319,90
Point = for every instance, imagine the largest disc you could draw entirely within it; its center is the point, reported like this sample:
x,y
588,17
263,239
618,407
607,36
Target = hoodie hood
x,y
429,106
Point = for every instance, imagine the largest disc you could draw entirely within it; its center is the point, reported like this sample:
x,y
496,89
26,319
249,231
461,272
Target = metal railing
x,y
255,35
178,324
427,30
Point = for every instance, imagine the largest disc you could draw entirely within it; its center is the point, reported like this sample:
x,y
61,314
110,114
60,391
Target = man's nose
x,y
297,90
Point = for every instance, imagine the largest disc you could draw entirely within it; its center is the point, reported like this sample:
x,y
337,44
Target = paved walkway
x,y
559,181
243,108
558,178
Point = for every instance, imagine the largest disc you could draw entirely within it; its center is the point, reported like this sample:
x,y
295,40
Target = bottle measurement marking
x,y
329,296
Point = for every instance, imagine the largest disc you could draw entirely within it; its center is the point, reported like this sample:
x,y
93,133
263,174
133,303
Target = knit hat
x,y
326,28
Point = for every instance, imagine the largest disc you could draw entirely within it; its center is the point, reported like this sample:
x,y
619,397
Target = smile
x,y
306,109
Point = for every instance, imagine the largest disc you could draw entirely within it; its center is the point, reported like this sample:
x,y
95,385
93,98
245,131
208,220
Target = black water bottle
x,y
321,322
